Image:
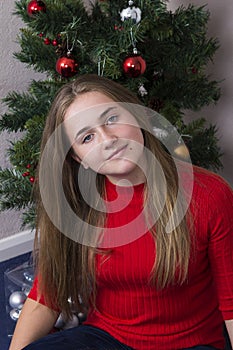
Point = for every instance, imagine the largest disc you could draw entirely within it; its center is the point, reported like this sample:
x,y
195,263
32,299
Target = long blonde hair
x,y
66,268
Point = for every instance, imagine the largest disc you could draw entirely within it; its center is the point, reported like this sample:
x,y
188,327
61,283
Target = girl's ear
x,y
79,160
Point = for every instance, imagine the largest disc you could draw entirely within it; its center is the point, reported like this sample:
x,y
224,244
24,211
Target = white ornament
x,y
160,133
17,299
131,12
142,91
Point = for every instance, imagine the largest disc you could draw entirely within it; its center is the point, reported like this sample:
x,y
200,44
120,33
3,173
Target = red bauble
x,y
134,65
194,70
26,174
32,179
35,6
54,42
66,66
47,41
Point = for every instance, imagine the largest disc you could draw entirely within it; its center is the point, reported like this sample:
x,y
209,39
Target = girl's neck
x,y
125,182
137,179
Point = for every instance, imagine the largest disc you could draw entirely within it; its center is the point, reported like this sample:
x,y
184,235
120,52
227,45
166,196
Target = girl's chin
x,y
123,170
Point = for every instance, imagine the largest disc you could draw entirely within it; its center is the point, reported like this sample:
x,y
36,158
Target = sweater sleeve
x,y
220,225
34,295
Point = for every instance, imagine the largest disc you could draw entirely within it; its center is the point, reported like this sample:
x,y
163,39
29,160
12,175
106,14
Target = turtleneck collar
x,y
115,190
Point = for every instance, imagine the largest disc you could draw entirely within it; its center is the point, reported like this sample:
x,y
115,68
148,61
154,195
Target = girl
x,y
115,238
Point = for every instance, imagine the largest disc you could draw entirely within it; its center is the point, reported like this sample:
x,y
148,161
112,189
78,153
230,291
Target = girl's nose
x,y
108,138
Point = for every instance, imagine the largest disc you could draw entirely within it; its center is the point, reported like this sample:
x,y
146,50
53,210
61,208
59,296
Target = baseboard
x,y
17,244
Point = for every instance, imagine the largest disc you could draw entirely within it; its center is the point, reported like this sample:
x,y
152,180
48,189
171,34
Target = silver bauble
x,y
17,299
28,276
60,322
81,316
26,289
14,314
74,322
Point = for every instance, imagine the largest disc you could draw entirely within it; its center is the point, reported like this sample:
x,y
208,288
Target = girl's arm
x,y
229,325
35,321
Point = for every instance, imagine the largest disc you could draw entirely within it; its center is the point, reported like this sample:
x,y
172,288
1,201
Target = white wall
x,y
15,76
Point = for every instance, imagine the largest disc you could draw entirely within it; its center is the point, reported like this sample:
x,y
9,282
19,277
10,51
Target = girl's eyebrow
x,y
102,115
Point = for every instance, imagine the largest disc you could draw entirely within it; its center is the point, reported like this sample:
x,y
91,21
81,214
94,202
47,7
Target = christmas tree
x,y
158,54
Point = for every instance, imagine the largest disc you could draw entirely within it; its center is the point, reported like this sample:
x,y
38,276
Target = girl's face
x,y
105,137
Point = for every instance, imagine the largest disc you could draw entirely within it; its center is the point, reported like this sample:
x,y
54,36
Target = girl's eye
x,y
111,119
87,138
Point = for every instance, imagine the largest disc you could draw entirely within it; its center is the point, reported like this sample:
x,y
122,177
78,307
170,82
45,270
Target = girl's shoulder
x,y
209,181
205,185
211,192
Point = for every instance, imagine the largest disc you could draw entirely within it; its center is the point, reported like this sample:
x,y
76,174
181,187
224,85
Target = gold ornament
x,y
182,151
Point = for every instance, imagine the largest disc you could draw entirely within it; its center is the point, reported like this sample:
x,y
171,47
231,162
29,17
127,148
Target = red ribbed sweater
x,y
177,317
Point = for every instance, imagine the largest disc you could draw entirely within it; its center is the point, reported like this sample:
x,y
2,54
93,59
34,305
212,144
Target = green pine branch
x,y
29,217
202,142
42,58
15,190
204,148
58,16
23,106
26,150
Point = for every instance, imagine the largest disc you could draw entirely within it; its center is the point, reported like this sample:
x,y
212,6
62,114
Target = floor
x,y
7,324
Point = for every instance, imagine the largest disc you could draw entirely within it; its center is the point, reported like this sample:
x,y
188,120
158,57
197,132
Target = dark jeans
x,y
78,338
84,338
201,347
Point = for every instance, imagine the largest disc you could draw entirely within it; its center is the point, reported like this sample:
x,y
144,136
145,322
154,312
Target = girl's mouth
x,y
117,153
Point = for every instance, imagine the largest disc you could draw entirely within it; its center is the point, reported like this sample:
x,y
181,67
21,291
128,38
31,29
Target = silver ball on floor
x,y
81,316
14,314
17,299
60,322
74,322
26,289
